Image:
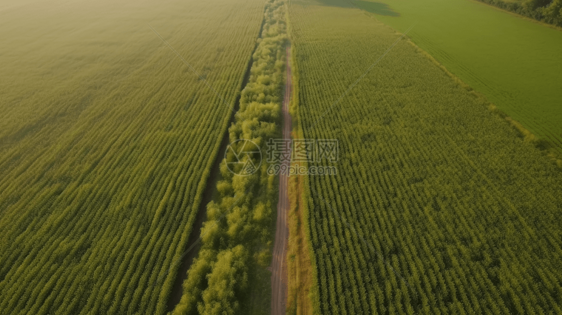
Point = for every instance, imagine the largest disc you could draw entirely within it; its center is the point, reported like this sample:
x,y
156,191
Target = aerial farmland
x,y
281,157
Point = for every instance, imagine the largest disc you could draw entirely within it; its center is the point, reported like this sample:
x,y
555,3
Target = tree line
x,y
547,11
237,235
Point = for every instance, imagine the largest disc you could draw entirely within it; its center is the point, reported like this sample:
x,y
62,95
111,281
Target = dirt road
x,y
279,262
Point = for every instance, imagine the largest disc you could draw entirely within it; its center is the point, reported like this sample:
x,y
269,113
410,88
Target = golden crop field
x,y
439,205
106,141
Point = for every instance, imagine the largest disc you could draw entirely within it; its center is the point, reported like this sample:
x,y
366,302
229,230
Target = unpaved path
x,y
279,262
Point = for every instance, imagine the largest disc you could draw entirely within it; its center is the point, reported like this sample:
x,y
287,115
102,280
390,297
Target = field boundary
x,y
298,256
543,145
304,295
558,28
547,147
279,274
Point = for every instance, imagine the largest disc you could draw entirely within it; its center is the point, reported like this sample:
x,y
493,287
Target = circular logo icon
x,y
243,157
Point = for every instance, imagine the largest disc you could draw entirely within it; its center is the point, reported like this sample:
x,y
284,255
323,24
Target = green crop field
x,y
439,206
514,62
256,157
106,142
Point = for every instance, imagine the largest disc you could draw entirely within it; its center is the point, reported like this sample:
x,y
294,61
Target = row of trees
x,y
97,200
237,236
438,206
548,11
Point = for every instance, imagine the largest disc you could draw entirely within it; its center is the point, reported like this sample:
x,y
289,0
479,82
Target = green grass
x,y
514,62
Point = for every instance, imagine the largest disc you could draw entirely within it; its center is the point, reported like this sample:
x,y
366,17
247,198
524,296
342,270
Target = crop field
x,y
439,206
111,117
296,157
513,61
